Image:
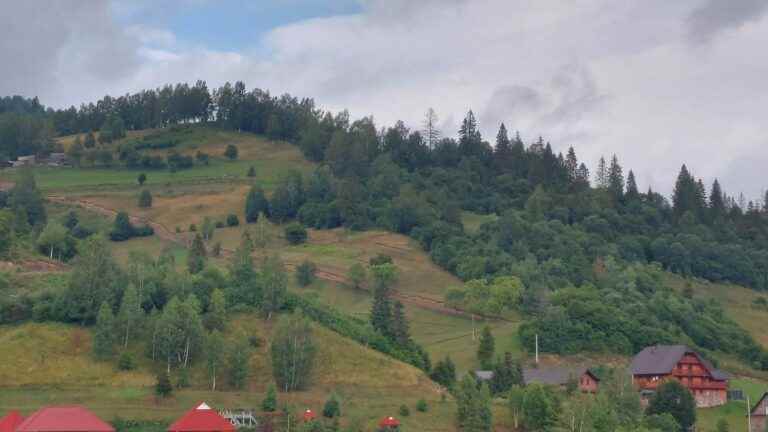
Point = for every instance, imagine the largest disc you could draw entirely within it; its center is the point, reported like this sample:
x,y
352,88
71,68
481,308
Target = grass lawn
x,y
734,412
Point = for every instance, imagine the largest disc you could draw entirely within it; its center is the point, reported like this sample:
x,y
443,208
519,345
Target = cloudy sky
x,y
657,82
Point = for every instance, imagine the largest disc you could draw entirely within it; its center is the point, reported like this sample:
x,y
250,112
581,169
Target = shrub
x,y
231,152
379,260
163,387
305,273
183,380
145,199
126,362
332,408
216,249
141,179
405,411
269,404
232,220
422,406
193,227
219,224
295,233
254,341
251,171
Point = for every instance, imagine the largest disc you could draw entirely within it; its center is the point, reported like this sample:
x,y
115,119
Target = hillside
x,y
371,384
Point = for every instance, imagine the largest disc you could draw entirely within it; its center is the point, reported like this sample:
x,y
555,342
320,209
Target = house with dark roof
x,y
587,381
656,364
759,415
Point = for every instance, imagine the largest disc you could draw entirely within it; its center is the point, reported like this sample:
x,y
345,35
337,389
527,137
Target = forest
x,y
585,247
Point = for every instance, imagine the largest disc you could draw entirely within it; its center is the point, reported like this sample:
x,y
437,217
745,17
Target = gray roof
x,y
755,410
554,375
484,375
661,359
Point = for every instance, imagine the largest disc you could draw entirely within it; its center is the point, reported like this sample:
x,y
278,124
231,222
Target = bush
x,y
305,273
269,404
163,387
254,341
219,224
216,249
231,152
232,220
192,228
405,411
379,260
126,362
141,179
422,406
332,408
145,199
251,171
295,233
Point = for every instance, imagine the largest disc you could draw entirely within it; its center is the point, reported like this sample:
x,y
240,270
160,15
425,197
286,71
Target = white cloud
x,y
605,76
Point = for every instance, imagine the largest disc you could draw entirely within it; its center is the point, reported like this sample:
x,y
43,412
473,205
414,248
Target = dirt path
x,y
166,234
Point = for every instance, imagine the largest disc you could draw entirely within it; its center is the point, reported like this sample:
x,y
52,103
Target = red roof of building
x,y
389,422
73,418
201,418
309,415
11,421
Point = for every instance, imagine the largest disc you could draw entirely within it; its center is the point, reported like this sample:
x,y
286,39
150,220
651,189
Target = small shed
x,y
11,421
587,381
73,418
483,375
389,423
308,415
201,418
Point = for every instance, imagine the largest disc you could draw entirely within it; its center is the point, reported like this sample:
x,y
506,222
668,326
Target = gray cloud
x,y
715,16
62,48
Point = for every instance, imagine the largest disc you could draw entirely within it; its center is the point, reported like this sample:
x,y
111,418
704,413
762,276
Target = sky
x,y
659,83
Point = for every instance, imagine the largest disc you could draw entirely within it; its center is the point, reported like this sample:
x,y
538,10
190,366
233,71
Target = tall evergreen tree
x,y
686,196
502,153
632,193
473,406
616,180
601,175
486,348
444,372
430,130
25,195
470,140
506,374
197,255
400,330
572,165
381,310
672,398
104,334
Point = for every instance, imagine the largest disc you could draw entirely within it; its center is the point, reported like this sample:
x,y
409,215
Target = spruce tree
x,y
163,387
486,348
269,404
572,165
616,180
381,310
506,374
632,192
674,399
400,330
444,372
716,201
473,406
502,153
601,176
197,255
104,333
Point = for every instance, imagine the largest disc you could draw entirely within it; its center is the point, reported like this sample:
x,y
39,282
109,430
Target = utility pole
x,y
537,349
749,415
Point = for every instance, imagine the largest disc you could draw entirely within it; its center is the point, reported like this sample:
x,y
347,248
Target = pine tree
x,y
506,374
104,334
130,316
444,372
430,131
616,180
672,398
90,140
473,406
572,165
269,404
632,192
502,154
601,176
687,195
197,255
486,348
381,310
470,140
400,330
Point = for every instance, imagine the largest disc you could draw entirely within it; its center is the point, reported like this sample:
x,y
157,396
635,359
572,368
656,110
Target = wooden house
x,y
656,364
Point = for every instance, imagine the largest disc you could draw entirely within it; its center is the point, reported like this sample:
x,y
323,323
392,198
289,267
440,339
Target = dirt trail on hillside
x,y
166,234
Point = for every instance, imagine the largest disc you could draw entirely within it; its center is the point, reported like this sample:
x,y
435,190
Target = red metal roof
x,y
389,422
73,418
201,418
11,421
309,415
